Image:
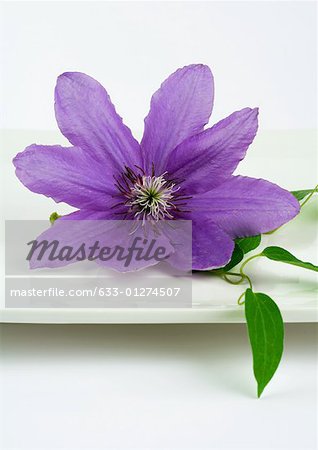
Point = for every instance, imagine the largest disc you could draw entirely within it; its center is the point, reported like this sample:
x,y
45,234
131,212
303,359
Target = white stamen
x,y
152,198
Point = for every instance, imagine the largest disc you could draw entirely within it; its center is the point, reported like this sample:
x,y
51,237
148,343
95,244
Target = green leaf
x,y
282,255
250,243
303,193
242,246
236,258
266,333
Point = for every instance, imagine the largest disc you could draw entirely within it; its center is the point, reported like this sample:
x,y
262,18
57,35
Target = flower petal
x,y
88,119
211,246
81,228
179,109
67,175
88,214
207,159
244,206
84,229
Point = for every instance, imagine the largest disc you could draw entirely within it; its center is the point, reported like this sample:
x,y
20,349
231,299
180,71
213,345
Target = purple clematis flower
x,y
179,170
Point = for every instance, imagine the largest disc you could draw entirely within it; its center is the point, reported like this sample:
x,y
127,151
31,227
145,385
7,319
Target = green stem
x,y
225,277
242,275
315,189
244,264
273,231
309,196
249,281
240,298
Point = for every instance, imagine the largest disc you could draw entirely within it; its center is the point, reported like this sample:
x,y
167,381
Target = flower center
x,y
149,197
152,197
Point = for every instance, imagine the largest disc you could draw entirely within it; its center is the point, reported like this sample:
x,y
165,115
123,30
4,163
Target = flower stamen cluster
x,y
149,197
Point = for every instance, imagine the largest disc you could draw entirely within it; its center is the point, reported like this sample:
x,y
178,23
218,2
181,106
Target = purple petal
x,y
124,234
86,228
174,239
179,109
90,228
211,246
88,119
244,206
208,159
67,175
86,214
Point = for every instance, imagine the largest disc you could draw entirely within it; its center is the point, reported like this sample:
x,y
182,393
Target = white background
x,y
261,53
163,387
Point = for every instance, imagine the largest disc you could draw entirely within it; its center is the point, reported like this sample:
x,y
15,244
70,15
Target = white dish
x,y
275,156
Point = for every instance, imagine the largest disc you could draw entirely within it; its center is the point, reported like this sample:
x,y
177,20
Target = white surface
x,y
262,54
161,387
275,156
153,387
